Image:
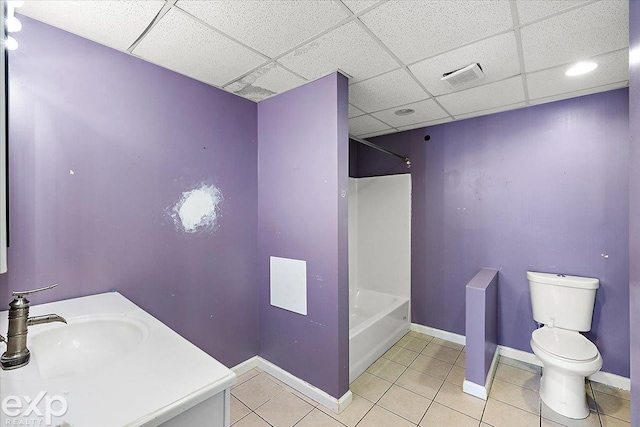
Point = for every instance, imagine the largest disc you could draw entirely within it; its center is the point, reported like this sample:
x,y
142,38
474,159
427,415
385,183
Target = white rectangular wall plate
x,y
288,279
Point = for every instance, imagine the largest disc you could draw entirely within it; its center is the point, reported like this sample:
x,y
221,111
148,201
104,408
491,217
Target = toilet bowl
x,y
567,358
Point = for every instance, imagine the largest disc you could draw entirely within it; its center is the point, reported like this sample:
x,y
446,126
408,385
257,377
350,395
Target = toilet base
x,y
564,394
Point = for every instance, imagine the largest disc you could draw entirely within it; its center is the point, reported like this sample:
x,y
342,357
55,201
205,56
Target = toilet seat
x,y
568,345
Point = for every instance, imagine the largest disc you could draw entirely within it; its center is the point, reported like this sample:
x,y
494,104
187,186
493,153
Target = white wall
x,y
380,234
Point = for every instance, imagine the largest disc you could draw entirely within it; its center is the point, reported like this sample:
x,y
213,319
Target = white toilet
x,y
564,305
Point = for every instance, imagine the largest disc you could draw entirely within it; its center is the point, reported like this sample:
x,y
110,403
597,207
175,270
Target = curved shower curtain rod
x,y
384,150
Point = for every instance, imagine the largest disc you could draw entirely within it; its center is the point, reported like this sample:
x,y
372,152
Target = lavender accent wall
x,y
101,144
302,214
481,329
544,188
634,207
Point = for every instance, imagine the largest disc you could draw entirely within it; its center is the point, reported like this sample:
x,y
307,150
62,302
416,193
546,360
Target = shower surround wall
x,y
302,214
544,188
102,146
634,207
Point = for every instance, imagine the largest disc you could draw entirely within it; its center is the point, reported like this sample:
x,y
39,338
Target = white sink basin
x,y
85,344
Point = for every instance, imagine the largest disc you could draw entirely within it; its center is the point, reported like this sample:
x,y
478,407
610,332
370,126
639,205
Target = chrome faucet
x,y
17,354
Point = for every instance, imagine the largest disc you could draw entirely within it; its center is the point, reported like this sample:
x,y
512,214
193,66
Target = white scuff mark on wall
x,y
71,172
197,209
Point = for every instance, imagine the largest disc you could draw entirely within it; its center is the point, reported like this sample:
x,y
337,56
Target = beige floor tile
x,y
613,406
591,421
517,376
284,410
520,365
292,390
246,377
612,422
405,403
252,420
423,337
461,359
441,352
601,388
379,417
520,397
370,387
415,344
456,376
453,345
256,391
404,340
440,416
500,414
434,367
238,410
452,396
590,400
354,412
400,355
317,418
417,382
386,369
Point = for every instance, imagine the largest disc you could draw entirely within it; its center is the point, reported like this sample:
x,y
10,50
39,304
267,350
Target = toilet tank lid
x,y
563,280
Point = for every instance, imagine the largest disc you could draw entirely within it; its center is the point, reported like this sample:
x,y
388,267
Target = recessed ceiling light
x,y
581,68
404,112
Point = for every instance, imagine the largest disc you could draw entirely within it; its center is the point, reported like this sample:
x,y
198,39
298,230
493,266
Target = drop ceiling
x,y
394,51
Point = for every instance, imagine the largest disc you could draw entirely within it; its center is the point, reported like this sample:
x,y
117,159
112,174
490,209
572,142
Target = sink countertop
x,y
158,379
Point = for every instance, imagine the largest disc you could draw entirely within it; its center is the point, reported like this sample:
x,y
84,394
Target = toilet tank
x,y
562,301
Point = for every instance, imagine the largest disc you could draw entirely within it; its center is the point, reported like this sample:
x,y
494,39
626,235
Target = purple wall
x,y
136,136
303,168
481,305
543,188
634,208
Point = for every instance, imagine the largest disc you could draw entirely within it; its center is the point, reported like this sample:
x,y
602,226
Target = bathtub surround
x,y
481,332
543,188
302,214
634,205
136,137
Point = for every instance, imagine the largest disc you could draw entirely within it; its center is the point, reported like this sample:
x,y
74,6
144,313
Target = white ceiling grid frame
x,y
96,20
357,6
355,111
612,67
388,90
361,57
553,41
493,95
498,57
365,125
287,23
517,32
200,52
435,26
567,95
425,111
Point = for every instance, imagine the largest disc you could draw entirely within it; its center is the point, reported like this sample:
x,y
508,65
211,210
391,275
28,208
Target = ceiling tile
x,y
498,57
612,68
348,48
581,33
386,91
491,111
265,82
365,125
379,133
355,112
426,110
359,5
578,93
184,45
530,10
493,95
425,124
415,30
97,20
271,27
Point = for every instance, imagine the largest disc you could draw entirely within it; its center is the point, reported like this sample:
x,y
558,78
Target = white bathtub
x,y
376,322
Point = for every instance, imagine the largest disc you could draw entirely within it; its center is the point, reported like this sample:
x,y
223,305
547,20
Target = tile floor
x,y
419,382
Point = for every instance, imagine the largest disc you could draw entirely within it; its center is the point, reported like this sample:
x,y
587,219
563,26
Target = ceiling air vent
x,y
458,78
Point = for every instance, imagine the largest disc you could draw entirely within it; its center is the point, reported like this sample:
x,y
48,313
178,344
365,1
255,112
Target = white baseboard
x,y
320,396
439,333
477,390
605,378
